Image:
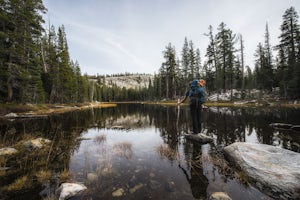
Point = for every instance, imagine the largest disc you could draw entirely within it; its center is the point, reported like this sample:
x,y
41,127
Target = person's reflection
x,y
197,180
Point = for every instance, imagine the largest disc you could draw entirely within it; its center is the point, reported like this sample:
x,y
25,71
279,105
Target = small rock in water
x,y
135,188
92,177
11,115
170,186
7,151
118,193
107,171
70,189
154,185
219,196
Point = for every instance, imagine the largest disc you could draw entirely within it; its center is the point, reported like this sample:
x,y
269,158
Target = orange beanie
x,y
202,82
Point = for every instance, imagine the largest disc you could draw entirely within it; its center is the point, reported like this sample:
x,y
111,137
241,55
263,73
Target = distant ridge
x,y
127,80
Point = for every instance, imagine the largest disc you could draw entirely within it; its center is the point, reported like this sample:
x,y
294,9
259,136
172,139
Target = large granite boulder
x,y
271,168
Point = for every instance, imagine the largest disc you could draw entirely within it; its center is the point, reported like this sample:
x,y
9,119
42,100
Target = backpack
x,y
196,93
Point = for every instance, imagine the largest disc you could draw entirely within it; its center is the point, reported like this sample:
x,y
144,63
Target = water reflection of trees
x,y
225,125
228,125
62,130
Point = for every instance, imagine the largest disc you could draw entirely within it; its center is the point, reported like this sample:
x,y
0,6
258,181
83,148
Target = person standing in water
x,y
197,96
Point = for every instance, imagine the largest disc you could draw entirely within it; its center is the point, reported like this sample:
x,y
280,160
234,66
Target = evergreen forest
x,y
35,64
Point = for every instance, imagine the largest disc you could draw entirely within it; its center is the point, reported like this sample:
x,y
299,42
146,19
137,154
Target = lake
x,y
139,151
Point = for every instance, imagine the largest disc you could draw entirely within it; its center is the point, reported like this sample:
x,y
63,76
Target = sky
x,y
118,36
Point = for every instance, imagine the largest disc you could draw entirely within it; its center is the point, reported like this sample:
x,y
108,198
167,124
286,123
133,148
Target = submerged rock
x,y
68,190
270,167
135,188
281,125
202,138
154,185
219,196
92,177
7,151
118,193
296,128
37,143
11,115
170,186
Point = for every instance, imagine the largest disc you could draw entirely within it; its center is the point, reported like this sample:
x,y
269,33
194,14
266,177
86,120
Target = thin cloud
x,y
130,35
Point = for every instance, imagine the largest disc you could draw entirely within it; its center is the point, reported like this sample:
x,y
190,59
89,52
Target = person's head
x,y
202,82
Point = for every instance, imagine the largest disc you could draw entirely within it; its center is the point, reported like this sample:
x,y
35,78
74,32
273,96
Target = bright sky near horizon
x,y
117,36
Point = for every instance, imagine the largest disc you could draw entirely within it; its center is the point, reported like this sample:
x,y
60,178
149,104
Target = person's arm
x,y
183,100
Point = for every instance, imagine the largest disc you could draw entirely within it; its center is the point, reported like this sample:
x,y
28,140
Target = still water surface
x,y
138,151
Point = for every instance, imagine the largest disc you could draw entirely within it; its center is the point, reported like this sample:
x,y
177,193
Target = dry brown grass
x,y
100,139
166,152
46,109
43,176
19,184
123,149
65,175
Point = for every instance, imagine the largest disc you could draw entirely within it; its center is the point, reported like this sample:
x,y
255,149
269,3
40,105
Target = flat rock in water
x,y
202,138
219,196
70,189
270,167
11,115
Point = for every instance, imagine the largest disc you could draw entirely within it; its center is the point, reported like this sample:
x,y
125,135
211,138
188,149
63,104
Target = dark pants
x,y
196,117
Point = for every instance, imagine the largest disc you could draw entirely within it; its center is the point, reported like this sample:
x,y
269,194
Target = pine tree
x,y
198,64
22,27
168,70
225,54
237,79
185,59
289,50
242,62
212,70
260,62
53,66
192,61
5,28
65,70
267,68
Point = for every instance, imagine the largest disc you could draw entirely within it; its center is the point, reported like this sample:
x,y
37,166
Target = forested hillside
x,y
224,67
35,64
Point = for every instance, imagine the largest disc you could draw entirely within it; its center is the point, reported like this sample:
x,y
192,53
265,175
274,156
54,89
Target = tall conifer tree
x,y
289,53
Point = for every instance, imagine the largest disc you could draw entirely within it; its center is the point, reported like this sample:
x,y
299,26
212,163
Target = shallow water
x,y
138,151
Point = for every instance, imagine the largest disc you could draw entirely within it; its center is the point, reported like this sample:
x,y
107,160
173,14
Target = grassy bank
x,y
235,104
46,109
